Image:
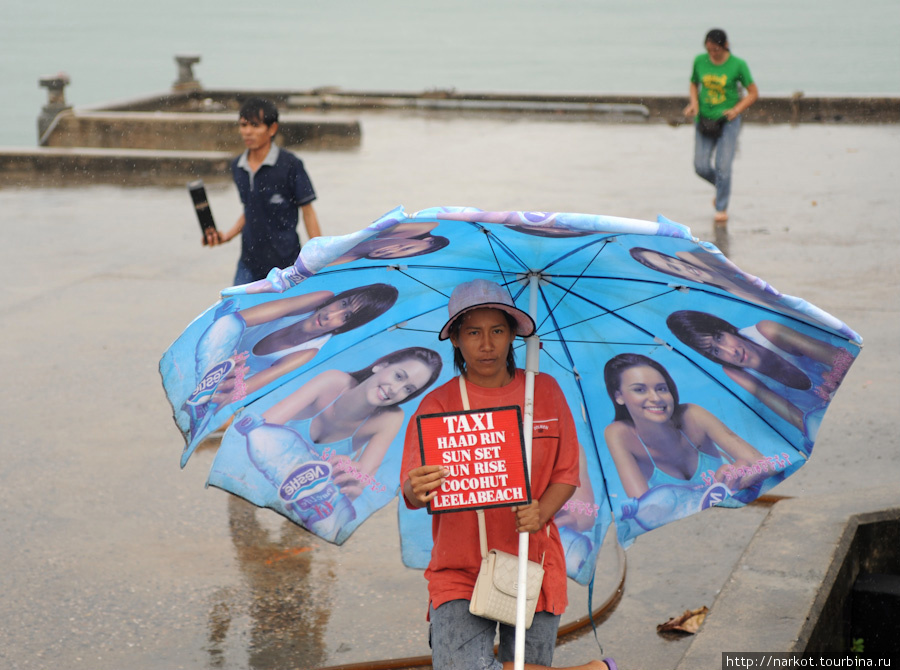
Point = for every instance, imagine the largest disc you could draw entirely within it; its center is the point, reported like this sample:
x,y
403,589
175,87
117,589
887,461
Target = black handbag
x,y
711,127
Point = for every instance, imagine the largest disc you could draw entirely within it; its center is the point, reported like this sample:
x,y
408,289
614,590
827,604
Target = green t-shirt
x,y
718,84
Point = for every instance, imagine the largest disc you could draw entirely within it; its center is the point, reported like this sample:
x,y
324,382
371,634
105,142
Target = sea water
x,y
114,51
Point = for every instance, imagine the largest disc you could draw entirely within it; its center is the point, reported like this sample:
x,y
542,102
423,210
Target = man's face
x,y
256,134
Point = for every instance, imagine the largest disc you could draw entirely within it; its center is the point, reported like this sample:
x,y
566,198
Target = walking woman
x,y
716,106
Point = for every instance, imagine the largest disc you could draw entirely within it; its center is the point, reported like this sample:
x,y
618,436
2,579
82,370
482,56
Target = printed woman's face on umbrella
x,y
418,229
400,247
732,349
672,265
644,392
392,383
484,339
549,231
334,314
351,309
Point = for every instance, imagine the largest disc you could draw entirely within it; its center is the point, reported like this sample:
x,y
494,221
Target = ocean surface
x,y
114,51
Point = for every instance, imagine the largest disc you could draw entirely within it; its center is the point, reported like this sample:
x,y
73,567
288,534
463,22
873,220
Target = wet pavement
x,y
113,557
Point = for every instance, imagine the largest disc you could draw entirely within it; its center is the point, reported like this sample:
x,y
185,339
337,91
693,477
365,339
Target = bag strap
x,y
464,393
482,528
482,532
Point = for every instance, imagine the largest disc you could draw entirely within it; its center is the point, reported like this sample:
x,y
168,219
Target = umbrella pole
x,y
532,351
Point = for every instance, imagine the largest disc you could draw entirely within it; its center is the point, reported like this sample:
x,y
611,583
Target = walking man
x,y
273,185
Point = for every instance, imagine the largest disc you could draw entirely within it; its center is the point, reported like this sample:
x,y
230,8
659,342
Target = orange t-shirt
x,y
456,557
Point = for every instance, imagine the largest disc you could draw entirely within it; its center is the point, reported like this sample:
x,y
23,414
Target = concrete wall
x,y
789,589
874,549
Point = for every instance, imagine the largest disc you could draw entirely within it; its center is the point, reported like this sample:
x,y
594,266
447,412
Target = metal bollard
x,y
56,101
186,81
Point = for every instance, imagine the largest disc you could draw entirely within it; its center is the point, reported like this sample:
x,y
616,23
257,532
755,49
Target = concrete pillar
x,y
56,101
186,81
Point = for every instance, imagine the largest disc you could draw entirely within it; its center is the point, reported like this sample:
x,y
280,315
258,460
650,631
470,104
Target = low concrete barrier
x,y
795,108
179,131
56,166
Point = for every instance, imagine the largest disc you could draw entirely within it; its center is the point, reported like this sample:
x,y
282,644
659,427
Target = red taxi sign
x,y
485,453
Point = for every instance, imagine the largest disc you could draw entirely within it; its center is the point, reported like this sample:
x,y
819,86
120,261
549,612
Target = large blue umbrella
x,y
692,383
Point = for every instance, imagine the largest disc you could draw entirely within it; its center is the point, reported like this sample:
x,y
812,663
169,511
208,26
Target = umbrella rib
x,y
607,311
585,413
492,240
604,342
415,330
770,309
568,290
416,279
604,242
615,311
680,353
404,270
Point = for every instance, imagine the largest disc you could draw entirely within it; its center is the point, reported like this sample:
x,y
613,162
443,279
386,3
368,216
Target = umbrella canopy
x,y
692,383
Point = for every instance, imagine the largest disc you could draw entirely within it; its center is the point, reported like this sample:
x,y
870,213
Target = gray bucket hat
x,y
480,293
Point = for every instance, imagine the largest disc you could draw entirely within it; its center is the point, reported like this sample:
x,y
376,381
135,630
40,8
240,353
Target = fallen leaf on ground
x,y
689,622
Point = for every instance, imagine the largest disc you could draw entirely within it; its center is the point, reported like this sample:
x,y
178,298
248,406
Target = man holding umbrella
x,y
482,327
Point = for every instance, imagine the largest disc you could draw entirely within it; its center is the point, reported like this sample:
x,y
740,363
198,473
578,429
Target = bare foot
x,y
721,218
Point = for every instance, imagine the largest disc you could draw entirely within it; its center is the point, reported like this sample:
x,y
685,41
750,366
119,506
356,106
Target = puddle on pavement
x,y
282,612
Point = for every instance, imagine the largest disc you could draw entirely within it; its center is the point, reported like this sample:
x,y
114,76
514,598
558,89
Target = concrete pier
x,y
171,129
